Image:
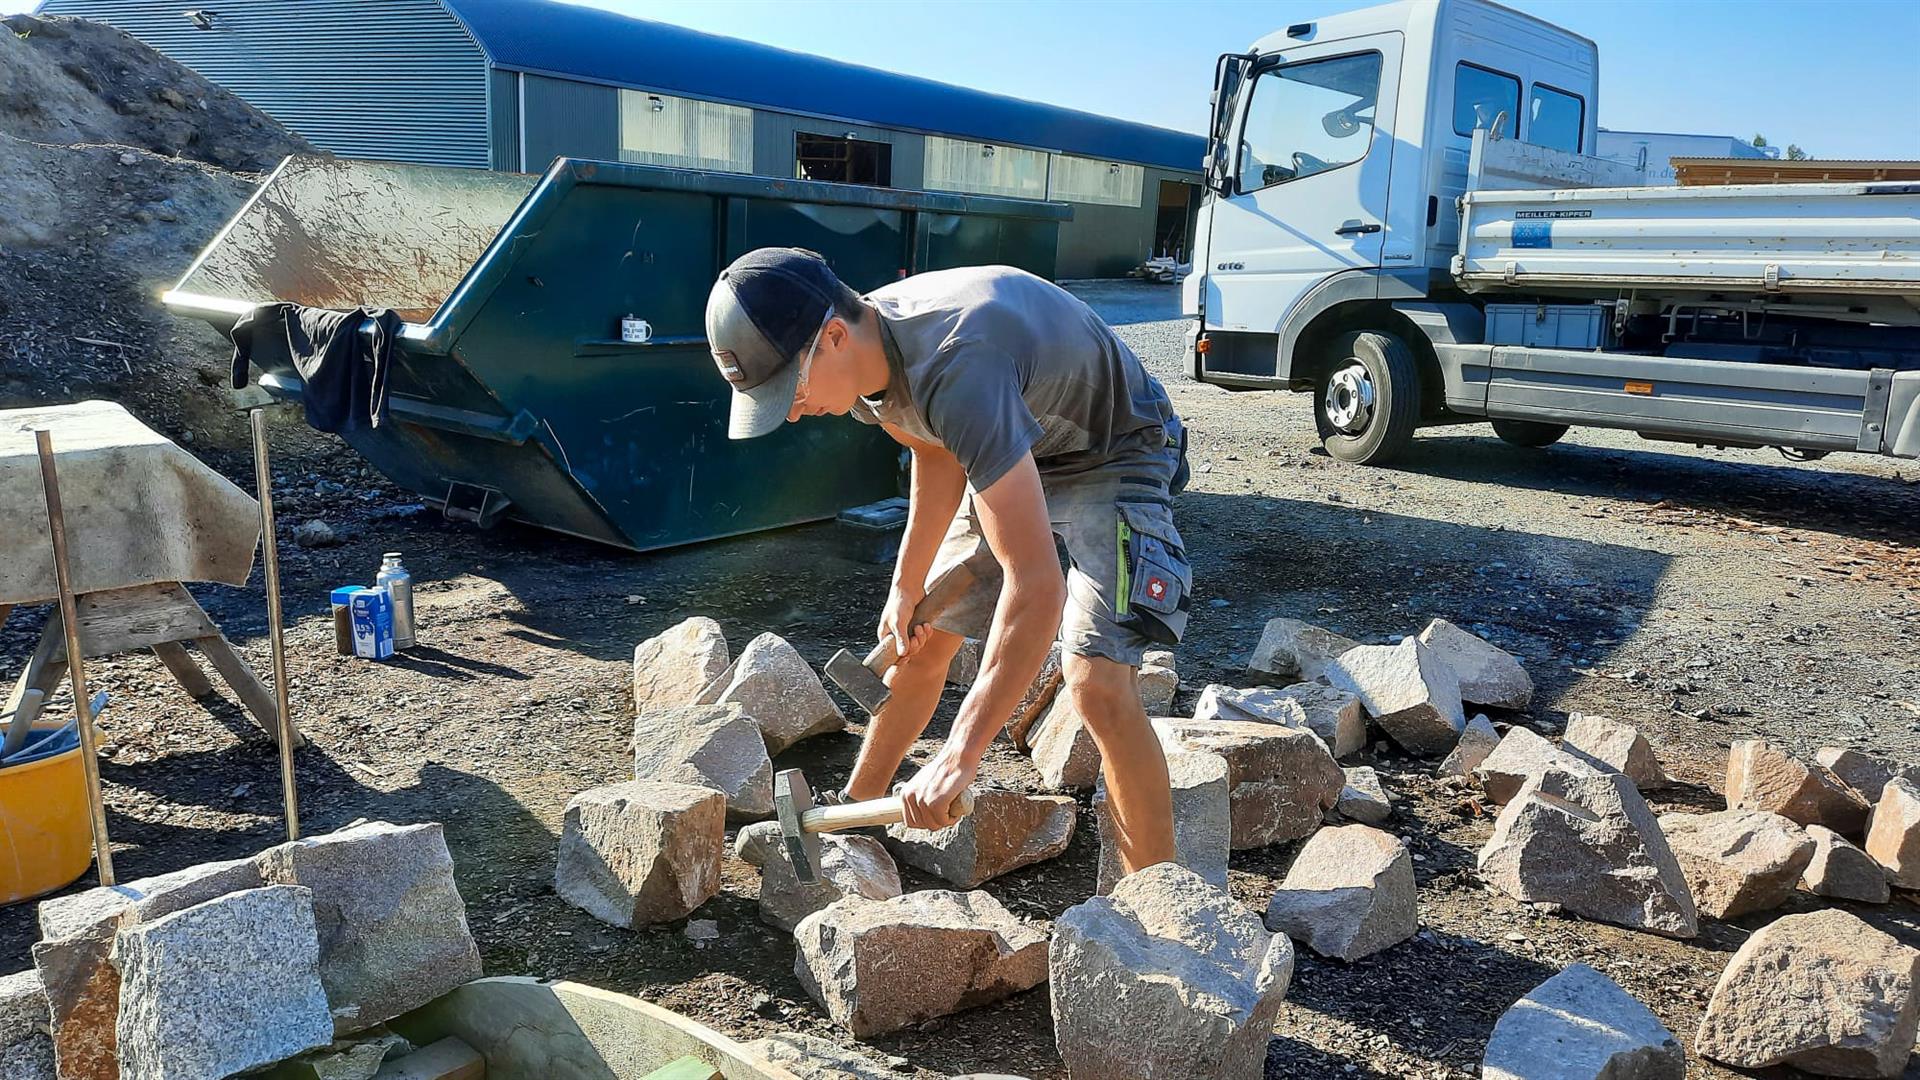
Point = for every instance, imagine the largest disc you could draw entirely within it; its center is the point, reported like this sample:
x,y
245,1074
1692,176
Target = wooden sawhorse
x,y
161,617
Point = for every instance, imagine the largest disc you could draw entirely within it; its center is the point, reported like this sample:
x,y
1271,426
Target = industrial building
x,y
512,84
1655,151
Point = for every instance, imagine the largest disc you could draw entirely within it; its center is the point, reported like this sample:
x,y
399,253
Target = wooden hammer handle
x,y
859,815
947,589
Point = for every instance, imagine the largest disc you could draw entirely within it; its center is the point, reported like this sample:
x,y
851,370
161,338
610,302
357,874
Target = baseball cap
x,y
761,315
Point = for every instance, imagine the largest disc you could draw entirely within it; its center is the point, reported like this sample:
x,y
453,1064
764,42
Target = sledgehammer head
x,y
850,673
792,798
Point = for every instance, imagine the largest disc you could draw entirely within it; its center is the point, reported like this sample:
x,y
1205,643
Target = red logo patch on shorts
x,y
1156,588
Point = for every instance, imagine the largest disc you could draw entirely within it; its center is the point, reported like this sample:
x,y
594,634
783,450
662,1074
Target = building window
x,y
1481,96
1555,118
1090,180
656,129
985,168
842,160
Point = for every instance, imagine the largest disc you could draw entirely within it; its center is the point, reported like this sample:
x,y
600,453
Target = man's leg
x,y
917,683
1139,796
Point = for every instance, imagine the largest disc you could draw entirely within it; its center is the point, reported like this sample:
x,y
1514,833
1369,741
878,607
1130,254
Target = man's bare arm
x,y
1013,518
939,482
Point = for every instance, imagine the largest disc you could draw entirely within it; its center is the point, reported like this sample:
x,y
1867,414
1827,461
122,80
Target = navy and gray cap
x,y
761,315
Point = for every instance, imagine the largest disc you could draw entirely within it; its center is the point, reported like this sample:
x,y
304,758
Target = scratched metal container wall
x,y
397,80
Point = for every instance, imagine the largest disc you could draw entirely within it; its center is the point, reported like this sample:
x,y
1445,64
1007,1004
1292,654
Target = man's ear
x,y
835,333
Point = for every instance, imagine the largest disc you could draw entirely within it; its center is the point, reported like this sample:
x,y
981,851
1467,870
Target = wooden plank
x,y
448,1059
184,669
124,620
686,1068
42,674
253,693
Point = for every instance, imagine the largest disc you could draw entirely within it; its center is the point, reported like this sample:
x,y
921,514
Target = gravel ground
x,y
1703,596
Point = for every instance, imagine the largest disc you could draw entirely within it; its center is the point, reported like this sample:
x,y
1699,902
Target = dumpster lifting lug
x,y
482,506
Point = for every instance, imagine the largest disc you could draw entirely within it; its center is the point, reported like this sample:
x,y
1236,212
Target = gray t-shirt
x,y
992,362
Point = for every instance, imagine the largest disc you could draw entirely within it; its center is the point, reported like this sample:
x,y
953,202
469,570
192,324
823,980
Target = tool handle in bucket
x,y
947,589
859,815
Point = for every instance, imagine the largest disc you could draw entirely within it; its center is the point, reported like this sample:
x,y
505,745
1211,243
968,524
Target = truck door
x,y
1306,197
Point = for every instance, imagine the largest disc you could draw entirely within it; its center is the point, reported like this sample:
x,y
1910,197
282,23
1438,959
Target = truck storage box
x,y
513,394
1547,326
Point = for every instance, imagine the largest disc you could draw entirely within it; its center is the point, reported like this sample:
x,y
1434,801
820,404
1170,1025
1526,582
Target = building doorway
x,y
1173,225
842,160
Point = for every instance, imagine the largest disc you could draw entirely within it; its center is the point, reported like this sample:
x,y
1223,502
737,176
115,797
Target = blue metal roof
x,y
571,41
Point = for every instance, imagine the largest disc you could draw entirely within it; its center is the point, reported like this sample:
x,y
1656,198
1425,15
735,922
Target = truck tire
x,y
1529,433
1367,402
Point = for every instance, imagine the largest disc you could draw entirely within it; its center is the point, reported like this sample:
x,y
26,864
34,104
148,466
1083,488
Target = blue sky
x,y
1837,77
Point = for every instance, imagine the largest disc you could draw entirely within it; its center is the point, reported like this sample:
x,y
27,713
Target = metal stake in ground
x,y
270,566
76,658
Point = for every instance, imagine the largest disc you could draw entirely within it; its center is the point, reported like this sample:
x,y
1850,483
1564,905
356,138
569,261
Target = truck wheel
x,y
1529,433
1368,402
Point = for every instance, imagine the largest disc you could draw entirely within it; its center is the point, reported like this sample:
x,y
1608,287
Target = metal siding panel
x,y
503,119
564,118
569,40
397,80
1108,241
773,154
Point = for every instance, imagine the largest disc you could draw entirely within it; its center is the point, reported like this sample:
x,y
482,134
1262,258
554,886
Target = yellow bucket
x,y
46,841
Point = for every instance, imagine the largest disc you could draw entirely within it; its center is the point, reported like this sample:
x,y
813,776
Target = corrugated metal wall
x,y
773,134
563,118
398,80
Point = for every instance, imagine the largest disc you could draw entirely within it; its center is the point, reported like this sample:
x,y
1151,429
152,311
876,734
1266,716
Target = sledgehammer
x,y
860,677
801,822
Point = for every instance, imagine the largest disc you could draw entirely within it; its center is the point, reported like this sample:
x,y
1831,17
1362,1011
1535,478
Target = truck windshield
x,y
1308,118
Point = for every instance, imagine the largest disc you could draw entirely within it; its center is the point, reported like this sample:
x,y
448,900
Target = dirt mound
x,y
71,81
119,165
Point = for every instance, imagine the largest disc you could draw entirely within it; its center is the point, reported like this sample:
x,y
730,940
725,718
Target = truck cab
x,y
1346,153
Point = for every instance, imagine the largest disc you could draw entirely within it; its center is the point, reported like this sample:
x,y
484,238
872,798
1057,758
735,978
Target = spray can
x,y
399,585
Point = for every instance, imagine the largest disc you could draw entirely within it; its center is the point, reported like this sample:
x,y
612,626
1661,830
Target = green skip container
x,y
512,393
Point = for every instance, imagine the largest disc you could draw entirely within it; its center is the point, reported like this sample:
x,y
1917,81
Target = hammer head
x,y
792,798
851,674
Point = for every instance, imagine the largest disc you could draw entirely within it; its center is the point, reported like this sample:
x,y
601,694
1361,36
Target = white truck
x,y
1402,218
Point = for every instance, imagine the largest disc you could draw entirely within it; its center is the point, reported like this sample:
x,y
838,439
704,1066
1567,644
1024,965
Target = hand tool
x,y
801,822
76,656
860,677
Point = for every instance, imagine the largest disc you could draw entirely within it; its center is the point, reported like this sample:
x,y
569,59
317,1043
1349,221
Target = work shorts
x,y
1129,585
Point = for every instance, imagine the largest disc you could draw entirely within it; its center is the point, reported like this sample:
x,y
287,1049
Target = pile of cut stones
x,y
295,958
1162,973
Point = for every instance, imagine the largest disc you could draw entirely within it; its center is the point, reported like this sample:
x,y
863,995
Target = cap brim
x,y
761,410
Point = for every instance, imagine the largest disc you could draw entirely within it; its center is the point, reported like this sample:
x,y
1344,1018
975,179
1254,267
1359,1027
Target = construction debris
x,y
1476,742
850,865
1864,773
1168,977
221,987
1519,757
1488,675
772,683
1349,893
1842,871
1590,844
1332,714
1063,749
1894,839
1579,1025
671,668
1408,690
714,746
877,966
1824,992
26,1051
810,1057
1760,777
1158,682
1363,798
393,928
1291,650
1738,861
1611,746
1006,831
1281,780
1202,821
642,852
